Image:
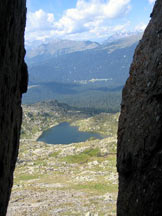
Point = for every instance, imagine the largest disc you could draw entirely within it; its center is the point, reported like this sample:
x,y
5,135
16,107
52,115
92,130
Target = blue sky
x,y
85,19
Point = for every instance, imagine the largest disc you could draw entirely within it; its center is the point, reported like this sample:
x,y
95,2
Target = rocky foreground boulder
x,y
13,82
139,153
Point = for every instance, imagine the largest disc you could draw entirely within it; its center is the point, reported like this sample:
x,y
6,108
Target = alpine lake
x,y
64,133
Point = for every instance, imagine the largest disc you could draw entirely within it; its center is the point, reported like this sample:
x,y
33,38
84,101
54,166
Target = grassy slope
x,y
67,179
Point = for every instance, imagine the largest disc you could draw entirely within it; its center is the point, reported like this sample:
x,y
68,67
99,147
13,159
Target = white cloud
x,y
88,14
89,19
39,25
140,27
151,1
39,20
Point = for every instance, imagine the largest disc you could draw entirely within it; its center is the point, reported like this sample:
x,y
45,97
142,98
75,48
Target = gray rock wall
x,y
139,153
13,82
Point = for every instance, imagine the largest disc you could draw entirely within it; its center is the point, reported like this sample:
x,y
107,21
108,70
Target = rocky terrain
x,y
43,115
75,179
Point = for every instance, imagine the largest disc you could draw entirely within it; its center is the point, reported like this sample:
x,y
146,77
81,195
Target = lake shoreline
x,y
36,136
65,133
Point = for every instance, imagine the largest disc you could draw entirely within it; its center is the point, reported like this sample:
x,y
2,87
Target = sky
x,y
93,20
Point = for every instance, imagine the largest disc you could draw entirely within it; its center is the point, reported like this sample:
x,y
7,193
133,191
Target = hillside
x,y
90,97
57,48
82,74
67,61
40,116
75,179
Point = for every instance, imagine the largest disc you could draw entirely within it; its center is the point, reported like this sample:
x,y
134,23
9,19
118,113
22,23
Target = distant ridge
x,y
69,61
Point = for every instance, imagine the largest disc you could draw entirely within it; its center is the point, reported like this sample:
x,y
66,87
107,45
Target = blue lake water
x,y
64,133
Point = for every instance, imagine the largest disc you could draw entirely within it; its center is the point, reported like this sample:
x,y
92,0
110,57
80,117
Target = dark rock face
x,y
139,160
13,82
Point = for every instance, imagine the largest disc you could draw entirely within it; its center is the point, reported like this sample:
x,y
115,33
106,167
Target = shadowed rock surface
x,y
140,127
13,82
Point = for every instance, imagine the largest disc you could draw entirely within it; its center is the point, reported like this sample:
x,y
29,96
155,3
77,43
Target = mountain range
x,y
83,74
71,61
